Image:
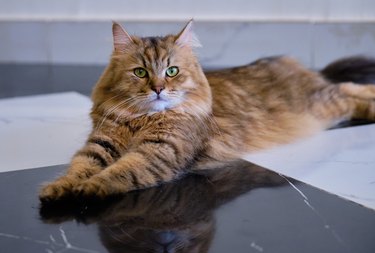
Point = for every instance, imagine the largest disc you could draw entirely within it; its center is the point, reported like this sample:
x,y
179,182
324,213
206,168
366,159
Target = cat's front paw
x,y
93,188
57,190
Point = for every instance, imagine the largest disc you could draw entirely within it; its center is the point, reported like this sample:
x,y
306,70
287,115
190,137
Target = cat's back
x,y
266,81
264,72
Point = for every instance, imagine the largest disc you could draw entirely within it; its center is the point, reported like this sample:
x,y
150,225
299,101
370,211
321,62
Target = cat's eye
x,y
172,71
140,72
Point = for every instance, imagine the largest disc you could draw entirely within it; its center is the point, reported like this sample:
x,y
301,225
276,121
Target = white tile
x,y
42,130
340,161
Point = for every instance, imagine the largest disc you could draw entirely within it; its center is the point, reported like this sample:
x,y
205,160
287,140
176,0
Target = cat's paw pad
x,y
91,189
56,190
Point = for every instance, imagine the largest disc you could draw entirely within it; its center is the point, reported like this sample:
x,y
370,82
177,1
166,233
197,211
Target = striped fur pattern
x,y
150,126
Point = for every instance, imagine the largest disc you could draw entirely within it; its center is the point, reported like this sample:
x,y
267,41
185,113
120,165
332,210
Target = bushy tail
x,y
356,69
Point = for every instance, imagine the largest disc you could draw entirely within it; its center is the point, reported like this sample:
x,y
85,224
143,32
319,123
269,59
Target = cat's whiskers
x,y
126,113
106,115
180,244
113,109
109,99
136,103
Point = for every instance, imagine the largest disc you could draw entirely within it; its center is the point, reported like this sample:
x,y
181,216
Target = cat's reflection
x,y
174,217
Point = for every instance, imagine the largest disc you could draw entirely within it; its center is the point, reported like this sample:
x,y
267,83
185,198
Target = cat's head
x,y
153,74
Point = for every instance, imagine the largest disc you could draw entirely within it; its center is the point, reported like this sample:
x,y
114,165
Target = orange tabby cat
x,y
156,113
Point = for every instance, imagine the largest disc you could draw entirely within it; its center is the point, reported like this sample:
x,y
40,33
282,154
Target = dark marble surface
x,y
238,207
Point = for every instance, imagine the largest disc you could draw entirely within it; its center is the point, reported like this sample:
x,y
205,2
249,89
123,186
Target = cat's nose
x,y
157,89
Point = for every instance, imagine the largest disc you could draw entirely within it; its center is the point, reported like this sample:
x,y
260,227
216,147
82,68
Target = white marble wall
x,y
224,43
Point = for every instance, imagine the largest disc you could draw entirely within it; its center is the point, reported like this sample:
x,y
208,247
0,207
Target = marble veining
x,y
316,212
53,245
256,247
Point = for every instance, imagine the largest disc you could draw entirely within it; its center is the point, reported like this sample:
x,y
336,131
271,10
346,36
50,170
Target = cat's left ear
x,y
121,39
187,37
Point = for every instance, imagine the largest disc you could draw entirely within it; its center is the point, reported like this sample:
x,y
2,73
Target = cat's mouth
x,y
159,98
162,97
161,102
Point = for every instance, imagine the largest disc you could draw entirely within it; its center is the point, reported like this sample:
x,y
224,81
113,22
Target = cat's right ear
x,y
187,37
121,39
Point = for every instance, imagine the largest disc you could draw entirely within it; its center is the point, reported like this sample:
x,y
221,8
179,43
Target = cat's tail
x,y
356,69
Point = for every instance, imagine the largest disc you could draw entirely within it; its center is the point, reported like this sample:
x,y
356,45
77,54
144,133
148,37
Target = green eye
x,y
140,72
172,71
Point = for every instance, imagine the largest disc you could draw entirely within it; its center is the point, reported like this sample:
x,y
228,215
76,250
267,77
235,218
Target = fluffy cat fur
x,y
152,129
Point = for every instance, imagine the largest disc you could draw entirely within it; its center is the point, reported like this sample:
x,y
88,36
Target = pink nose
x,y
157,89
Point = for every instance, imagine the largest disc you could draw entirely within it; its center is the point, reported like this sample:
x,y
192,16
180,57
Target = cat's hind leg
x,y
342,102
362,99
358,90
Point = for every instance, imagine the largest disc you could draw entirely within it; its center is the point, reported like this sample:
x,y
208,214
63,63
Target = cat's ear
x,y
121,39
187,37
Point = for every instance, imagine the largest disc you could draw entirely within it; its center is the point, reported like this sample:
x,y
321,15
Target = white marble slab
x,y
339,161
42,130
46,130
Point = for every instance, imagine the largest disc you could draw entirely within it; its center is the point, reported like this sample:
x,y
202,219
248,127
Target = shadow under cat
x,y
174,217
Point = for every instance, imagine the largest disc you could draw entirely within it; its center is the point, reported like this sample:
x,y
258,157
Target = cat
x,y
174,217
156,113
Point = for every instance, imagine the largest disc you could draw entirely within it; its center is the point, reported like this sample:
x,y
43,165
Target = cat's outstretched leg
x,y
138,169
80,169
97,154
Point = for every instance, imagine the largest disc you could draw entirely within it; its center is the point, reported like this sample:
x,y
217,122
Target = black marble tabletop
x,y
238,207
